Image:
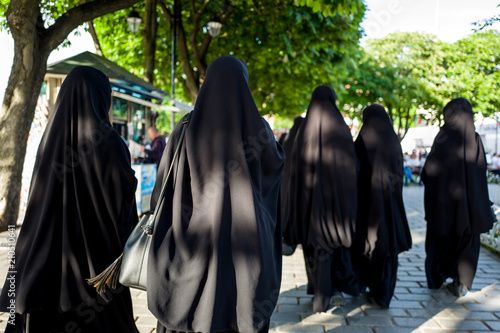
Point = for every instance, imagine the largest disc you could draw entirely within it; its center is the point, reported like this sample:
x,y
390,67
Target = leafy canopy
x,y
289,47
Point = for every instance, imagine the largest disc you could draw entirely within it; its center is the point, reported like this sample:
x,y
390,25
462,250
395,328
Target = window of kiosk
x,y
138,122
120,112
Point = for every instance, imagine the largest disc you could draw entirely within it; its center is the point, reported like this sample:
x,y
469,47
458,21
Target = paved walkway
x,y
414,308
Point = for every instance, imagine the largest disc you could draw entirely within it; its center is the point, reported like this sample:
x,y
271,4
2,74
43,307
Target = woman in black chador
x,y
457,206
382,231
80,211
320,206
287,147
215,260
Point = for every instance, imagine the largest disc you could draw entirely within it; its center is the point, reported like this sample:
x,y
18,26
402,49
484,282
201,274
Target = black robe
x,y
215,260
81,209
382,232
320,206
287,147
457,206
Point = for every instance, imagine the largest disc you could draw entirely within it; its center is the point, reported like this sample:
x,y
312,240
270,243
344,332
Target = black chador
x,y
287,147
320,206
81,209
215,261
382,231
457,206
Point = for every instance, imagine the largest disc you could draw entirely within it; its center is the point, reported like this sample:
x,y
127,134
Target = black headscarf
x,y
81,206
456,189
320,205
215,261
383,227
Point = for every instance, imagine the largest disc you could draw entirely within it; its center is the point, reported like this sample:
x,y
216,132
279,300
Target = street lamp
x,y
134,21
214,27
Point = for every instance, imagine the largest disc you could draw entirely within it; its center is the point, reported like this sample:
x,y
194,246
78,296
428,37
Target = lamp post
x,y
175,17
134,21
214,27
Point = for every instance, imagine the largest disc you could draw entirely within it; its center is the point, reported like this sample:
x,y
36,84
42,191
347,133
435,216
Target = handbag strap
x,y
148,227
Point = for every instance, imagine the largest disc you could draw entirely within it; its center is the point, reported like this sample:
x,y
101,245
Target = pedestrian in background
x,y
382,231
215,260
457,205
158,144
320,206
80,211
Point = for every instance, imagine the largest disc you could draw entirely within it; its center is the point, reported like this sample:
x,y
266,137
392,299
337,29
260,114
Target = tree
x,y
401,71
289,47
37,27
472,71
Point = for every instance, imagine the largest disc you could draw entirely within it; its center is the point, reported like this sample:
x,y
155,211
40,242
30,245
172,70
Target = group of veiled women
x,y
216,251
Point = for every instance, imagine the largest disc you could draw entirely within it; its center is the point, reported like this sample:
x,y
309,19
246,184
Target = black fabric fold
x,y
382,230
80,211
215,261
457,205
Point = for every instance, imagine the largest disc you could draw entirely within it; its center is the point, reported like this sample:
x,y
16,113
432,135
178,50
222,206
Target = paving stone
x,y
473,315
305,300
147,321
283,318
299,328
492,293
442,305
386,312
145,329
416,322
462,324
494,325
301,308
141,310
483,307
414,297
323,318
421,290
288,300
430,313
406,305
293,293
347,310
394,329
407,284
349,329
369,321
435,330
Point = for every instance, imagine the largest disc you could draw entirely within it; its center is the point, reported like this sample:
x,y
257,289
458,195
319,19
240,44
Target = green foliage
x,y
289,48
472,68
399,72
163,121
282,122
410,71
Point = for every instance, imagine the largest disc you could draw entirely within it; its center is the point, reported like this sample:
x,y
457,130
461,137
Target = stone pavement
x,y
414,308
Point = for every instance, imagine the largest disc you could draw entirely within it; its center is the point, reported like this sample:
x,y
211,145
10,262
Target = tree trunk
x,y
32,47
389,111
149,33
95,39
18,108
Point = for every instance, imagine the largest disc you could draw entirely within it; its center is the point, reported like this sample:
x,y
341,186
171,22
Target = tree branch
x,y
74,17
95,39
93,33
